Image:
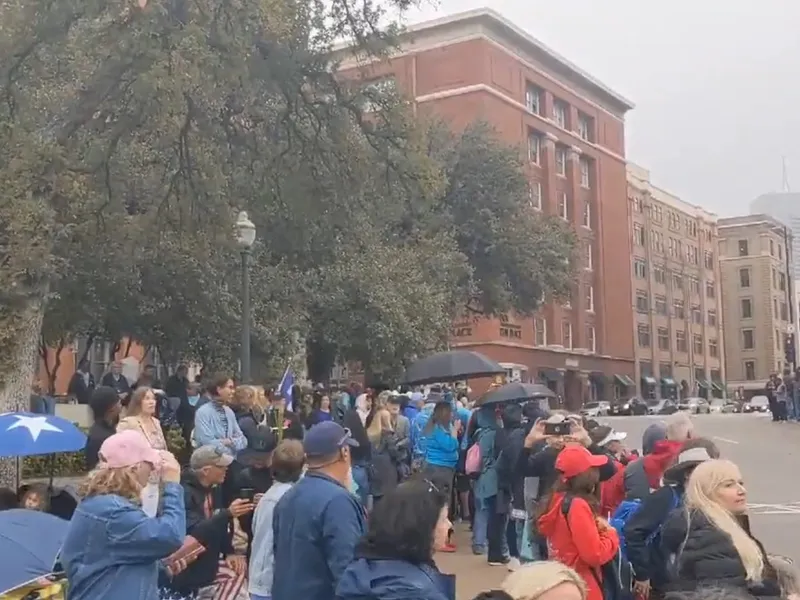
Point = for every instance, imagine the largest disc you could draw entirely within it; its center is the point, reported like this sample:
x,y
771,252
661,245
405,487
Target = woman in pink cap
x,y
112,548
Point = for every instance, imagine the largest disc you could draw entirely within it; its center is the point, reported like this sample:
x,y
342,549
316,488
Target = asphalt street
x,y
767,453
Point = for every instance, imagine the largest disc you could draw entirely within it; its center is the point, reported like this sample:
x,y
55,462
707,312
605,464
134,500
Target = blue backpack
x,y
627,509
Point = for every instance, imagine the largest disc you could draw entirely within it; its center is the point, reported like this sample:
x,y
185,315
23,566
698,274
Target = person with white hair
x,y
710,539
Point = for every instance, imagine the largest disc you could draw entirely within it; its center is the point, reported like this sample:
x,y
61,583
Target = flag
x,y
285,389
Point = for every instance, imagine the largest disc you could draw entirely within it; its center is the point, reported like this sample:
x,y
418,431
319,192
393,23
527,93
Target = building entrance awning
x,y
668,382
624,380
649,380
703,384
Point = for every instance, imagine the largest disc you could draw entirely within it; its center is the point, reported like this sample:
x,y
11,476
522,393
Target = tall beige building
x,y
755,262
676,294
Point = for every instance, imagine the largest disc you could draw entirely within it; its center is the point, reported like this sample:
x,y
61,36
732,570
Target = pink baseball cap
x,y
125,449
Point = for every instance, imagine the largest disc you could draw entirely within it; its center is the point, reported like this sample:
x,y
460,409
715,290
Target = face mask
x,y
193,400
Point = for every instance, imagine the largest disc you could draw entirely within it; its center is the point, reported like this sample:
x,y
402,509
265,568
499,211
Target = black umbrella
x,y
516,392
451,366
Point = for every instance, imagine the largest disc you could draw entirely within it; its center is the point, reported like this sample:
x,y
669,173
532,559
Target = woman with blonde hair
x,y
141,416
387,454
710,539
249,414
546,580
112,547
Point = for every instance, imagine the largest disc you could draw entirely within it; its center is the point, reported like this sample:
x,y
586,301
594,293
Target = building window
x,y
750,370
708,260
561,161
697,315
660,274
694,284
588,255
642,302
771,248
533,99
677,281
585,128
566,333
780,252
643,335
535,194
638,234
744,278
778,340
563,206
692,254
589,297
591,342
535,147
784,312
663,338
661,305
782,282
747,308
711,291
674,221
585,178
638,205
691,227
774,278
640,268
743,248
713,348
697,340
540,331
678,310
587,214
748,339
712,317
680,340
656,213
560,109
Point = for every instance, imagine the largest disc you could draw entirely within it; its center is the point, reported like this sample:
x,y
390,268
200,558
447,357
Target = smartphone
x,y
247,494
562,428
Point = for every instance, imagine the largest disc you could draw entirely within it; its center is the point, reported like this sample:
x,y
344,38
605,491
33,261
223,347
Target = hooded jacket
x,y
388,579
577,541
644,475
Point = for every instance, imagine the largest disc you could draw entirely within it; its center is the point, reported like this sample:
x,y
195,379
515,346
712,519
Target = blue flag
x,y
285,389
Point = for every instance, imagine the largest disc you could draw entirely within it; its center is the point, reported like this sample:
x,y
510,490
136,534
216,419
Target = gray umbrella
x,y
451,366
516,392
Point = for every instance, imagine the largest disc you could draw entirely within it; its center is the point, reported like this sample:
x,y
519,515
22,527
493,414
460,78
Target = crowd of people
x,y
351,496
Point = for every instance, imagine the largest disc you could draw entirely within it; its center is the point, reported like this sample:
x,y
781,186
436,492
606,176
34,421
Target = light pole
x,y
246,236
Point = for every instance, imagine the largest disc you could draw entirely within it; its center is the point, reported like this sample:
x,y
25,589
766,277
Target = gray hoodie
x,y
262,559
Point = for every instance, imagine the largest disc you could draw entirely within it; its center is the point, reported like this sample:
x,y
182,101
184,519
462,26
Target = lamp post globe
x,y
246,237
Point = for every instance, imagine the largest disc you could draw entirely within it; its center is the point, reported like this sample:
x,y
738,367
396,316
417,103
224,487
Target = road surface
x,y
767,453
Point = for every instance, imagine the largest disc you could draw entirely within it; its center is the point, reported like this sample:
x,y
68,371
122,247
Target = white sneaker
x,y
514,564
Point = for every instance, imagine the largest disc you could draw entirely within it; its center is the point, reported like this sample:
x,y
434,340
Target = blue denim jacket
x,y
112,549
209,429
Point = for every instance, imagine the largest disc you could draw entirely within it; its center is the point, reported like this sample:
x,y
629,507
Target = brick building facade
x,y
478,66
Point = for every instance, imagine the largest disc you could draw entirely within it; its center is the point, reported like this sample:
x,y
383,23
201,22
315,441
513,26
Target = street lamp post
x,y
246,236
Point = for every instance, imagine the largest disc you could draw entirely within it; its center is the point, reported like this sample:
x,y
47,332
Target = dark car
x,y
630,407
665,406
757,404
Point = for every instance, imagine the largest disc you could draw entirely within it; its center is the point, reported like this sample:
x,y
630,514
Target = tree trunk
x,y
16,390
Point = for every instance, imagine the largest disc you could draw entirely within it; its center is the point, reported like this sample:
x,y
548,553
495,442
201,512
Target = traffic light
x,y
789,349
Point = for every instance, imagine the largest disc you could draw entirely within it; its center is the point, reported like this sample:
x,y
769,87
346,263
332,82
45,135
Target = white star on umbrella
x,y
34,425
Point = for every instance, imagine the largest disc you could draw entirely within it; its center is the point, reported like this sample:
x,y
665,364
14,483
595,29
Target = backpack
x,y
473,461
627,509
617,575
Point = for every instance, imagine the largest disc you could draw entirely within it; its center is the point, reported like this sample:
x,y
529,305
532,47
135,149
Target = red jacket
x,y
579,544
612,491
659,460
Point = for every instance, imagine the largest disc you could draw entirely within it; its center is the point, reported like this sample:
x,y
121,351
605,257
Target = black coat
x,y
80,389
121,385
99,432
387,456
706,557
363,453
213,532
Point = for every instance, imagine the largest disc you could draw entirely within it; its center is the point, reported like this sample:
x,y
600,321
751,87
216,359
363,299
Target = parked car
x,y
732,407
665,406
596,409
630,407
717,405
757,404
697,406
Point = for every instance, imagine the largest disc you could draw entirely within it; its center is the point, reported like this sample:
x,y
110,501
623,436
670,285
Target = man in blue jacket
x,y
317,523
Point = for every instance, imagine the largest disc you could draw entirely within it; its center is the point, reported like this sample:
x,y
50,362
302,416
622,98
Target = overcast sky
x,y
716,84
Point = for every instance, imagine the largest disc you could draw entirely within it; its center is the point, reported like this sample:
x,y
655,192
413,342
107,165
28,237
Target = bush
x,y
71,464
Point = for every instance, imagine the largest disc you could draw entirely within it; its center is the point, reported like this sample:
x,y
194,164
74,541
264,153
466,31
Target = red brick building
x,y
477,65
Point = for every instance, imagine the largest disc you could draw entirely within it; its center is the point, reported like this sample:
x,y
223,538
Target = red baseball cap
x,y
574,460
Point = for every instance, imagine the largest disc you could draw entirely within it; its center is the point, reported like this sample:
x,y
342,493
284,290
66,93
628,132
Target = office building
x,y
784,206
755,263
676,294
477,65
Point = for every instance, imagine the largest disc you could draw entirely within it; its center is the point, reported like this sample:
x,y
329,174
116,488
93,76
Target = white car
x,y
596,409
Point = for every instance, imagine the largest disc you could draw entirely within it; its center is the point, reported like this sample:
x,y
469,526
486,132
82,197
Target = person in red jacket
x,y
580,538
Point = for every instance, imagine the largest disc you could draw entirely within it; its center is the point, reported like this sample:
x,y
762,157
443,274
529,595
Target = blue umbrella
x,y
28,434
29,544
